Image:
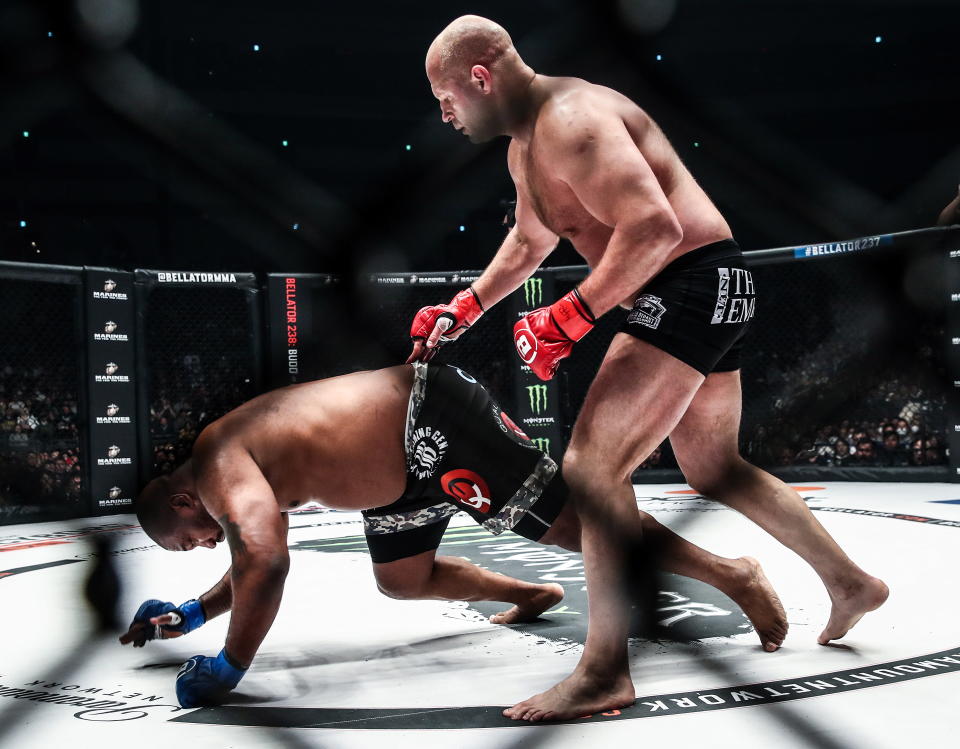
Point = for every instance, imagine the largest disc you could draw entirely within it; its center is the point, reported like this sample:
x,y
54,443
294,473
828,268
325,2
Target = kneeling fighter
x,y
428,434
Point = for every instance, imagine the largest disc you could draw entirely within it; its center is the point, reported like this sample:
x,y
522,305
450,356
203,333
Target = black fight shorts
x,y
698,308
464,454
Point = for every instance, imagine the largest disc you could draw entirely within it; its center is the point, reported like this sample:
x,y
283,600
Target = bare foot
x,y
574,697
544,597
850,605
754,594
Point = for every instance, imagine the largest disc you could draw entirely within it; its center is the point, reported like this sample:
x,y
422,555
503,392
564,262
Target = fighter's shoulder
x,y
580,111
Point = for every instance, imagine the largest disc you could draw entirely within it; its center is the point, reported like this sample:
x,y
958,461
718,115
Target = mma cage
x,y
107,376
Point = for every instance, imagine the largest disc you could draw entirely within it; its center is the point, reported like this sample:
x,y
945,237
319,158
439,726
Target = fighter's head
x,y
170,513
475,71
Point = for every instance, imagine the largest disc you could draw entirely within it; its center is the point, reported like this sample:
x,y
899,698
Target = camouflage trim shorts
x,y
464,454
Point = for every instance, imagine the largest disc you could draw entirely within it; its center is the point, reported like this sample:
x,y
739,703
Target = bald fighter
x,y
593,167
430,435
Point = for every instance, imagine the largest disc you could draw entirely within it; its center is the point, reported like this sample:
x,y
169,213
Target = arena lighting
x,y
284,143
878,39
256,47
659,57
26,133
462,227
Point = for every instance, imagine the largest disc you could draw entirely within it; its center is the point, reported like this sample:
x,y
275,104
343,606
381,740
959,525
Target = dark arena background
x,y
201,202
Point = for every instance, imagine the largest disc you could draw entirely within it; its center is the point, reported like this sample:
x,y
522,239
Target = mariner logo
x,y
111,375
110,333
113,417
647,311
542,443
113,458
115,492
538,398
110,292
533,292
429,447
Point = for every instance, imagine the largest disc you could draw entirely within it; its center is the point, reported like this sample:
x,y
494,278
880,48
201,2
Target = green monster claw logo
x,y
538,398
542,443
533,292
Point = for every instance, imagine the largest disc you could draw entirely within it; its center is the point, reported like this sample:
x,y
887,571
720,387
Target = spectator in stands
x,y
841,453
865,455
891,452
18,439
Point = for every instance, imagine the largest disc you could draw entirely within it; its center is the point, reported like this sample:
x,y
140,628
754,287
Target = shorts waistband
x,y
706,254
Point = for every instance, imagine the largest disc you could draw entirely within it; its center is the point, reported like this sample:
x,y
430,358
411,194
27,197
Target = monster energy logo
x,y
533,291
538,398
542,443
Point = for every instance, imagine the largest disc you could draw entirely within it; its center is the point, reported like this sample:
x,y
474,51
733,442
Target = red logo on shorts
x,y
516,430
467,488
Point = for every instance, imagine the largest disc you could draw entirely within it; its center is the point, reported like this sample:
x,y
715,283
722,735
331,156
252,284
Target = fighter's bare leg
x,y
705,443
426,576
741,579
637,397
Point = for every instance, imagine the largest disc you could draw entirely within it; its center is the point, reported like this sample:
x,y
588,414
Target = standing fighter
x,y
591,166
430,435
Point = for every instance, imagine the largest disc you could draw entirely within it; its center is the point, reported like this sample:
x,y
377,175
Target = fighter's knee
x,y
402,589
719,477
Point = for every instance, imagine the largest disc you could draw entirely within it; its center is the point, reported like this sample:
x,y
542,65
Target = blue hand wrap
x,y
207,681
191,615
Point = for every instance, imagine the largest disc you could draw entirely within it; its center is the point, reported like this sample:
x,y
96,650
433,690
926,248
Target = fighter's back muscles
x,y
235,493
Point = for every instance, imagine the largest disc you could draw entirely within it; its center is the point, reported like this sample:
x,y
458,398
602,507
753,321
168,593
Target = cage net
x,y
201,362
841,366
40,469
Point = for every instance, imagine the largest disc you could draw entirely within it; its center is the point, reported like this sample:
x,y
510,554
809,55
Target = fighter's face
x,y
195,528
470,112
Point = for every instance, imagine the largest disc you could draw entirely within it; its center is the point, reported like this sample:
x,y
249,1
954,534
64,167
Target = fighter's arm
x,y
597,158
526,245
235,492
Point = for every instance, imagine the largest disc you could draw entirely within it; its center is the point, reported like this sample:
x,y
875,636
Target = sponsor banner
x,y
291,313
952,274
111,406
420,279
538,402
841,248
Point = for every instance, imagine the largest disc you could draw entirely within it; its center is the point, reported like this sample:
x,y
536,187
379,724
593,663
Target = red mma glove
x,y
436,325
547,335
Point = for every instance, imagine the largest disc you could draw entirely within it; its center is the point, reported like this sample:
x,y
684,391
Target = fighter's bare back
x,y
337,442
534,166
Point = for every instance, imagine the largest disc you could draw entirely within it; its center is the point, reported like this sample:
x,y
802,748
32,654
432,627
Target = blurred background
x,y
805,120
294,137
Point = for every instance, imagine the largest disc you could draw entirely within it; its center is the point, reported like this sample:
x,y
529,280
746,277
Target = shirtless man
x,y
591,166
428,434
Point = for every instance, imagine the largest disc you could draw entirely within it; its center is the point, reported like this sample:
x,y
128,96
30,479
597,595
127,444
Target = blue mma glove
x,y
190,615
207,681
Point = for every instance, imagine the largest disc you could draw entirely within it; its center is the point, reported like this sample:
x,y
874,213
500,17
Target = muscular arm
x,y
235,492
219,598
601,164
525,247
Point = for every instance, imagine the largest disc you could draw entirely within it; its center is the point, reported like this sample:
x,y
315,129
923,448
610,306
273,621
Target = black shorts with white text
x,y
698,308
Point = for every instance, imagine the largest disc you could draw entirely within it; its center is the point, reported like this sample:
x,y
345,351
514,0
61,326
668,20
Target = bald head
x,y
469,41
153,509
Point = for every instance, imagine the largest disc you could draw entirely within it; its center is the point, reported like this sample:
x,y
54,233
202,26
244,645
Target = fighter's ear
x,y
481,78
